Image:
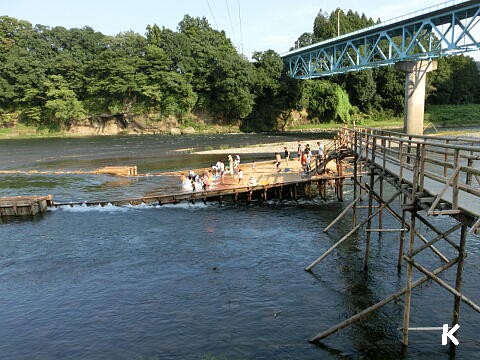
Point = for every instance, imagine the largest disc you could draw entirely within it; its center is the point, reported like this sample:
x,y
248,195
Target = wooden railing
x,y
452,161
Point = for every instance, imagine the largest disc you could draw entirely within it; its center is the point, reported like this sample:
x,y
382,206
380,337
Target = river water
x,y
198,281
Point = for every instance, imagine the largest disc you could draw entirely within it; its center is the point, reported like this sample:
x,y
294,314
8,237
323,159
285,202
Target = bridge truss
x,y
443,30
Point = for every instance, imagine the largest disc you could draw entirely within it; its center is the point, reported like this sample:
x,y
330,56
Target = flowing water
x,y
198,281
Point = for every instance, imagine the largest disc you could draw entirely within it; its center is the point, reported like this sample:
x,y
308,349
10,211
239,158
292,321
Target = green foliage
x,y
62,105
453,115
54,76
326,101
455,81
276,95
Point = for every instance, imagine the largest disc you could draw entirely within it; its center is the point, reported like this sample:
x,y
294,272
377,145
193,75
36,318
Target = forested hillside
x,y
53,77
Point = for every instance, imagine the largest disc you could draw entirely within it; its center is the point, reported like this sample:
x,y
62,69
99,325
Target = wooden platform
x,y
24,205
118,170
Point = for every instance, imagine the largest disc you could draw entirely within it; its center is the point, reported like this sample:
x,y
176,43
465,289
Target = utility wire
x,y
240,20
231,23
213,16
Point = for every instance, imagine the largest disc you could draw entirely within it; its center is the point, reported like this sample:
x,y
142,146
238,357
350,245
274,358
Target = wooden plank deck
x,y
448,168
467,202
265,172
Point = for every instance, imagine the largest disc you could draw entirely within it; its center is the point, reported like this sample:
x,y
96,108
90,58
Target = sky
x,y
252,25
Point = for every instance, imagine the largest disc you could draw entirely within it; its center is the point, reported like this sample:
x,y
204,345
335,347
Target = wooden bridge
x,y
433,176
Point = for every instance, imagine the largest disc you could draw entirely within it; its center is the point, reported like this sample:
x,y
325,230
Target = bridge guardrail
x,y
453,162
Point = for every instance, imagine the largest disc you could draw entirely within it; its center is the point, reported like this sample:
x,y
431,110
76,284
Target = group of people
x,y
304,155
218,171
196,182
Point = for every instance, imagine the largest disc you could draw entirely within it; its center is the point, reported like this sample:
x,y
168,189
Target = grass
x,y
453,115
333,126
22,131
438,115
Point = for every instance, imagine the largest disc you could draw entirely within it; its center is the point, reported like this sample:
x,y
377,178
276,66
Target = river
x,y
198,281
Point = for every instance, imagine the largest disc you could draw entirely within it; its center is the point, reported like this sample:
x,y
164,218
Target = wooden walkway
x,y
270,184
432,175
448,169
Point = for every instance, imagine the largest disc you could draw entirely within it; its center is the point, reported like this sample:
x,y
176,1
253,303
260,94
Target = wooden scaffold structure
x,y
430,176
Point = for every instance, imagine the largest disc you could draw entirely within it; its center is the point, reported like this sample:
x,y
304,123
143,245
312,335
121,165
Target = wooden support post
x,y
443,284
400,160
384,162
443,234
355,174
458,281
370,203
435,239
402,234
385,230
367,311
468,179
445,159
339,182
405,225
342,214
408,289
423,156
455,181
359,159
380,215
315,263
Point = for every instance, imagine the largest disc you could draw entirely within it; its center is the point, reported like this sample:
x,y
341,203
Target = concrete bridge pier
x,y
415,81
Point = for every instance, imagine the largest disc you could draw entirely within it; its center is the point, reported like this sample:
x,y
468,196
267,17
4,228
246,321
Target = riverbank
x,y
439,119
22,131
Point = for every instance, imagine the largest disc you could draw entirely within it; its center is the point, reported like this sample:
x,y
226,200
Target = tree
x,y
304,40
62,106
276,95
326,101
116,80
390,89
219,75
454,82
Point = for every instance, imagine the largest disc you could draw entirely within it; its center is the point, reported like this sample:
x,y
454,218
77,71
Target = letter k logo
x,y
449,334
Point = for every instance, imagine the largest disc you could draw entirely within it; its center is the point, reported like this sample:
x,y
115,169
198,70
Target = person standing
x,y
309,158
299,151
240,176
287,155
230,164
303,160
320,150
278,160
222,172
